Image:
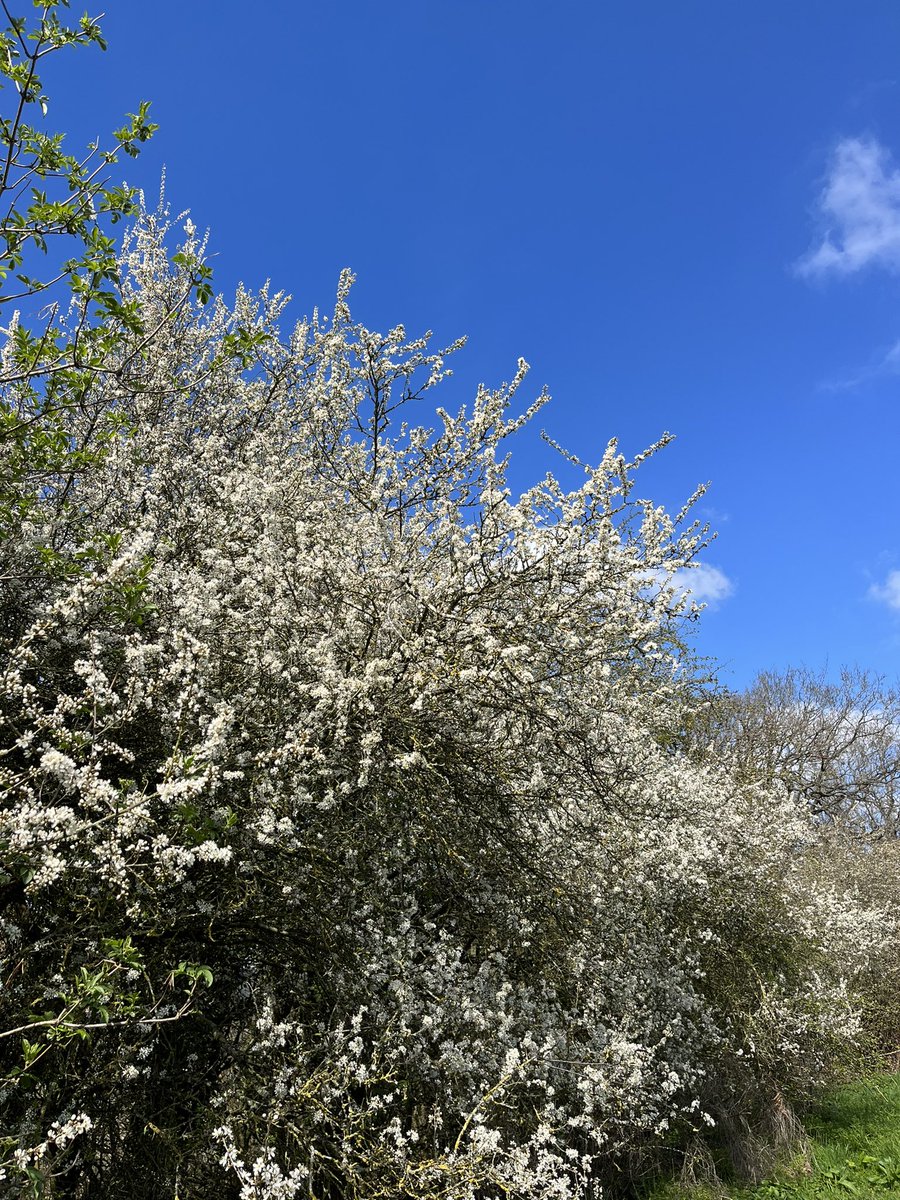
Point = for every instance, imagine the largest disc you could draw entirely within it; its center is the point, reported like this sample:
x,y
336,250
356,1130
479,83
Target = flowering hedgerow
x,y
347,847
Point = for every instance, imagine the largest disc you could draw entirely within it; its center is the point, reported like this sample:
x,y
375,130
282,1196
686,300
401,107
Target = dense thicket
x,y
348,846
834,745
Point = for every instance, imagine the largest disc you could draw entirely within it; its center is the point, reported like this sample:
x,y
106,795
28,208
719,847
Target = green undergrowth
x,y
852,1153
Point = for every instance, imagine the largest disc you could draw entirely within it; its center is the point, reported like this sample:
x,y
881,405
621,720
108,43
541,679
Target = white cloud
x,y
860,205
882,365
889,591
715,516
706,584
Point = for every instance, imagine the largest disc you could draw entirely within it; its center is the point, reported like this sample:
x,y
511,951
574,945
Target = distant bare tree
x,y
834,744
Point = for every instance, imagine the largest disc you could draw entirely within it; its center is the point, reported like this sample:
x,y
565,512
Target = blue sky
x,y
685,216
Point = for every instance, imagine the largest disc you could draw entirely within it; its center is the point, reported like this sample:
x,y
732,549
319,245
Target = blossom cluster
x,y
348,837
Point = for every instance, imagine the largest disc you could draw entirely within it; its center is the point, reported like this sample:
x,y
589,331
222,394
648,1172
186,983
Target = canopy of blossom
x,y
348,846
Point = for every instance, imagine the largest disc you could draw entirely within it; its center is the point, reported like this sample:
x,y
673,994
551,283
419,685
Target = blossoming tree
x,y
347,849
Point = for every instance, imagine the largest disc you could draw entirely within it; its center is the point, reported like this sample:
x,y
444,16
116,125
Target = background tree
x,y
833,745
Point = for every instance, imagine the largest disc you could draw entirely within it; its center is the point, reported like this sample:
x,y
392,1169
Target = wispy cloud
x,y
872,91
715,516
860,207
706,584
888,592
885,363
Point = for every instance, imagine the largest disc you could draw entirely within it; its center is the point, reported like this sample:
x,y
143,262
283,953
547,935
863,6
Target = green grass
x,y
853,1152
